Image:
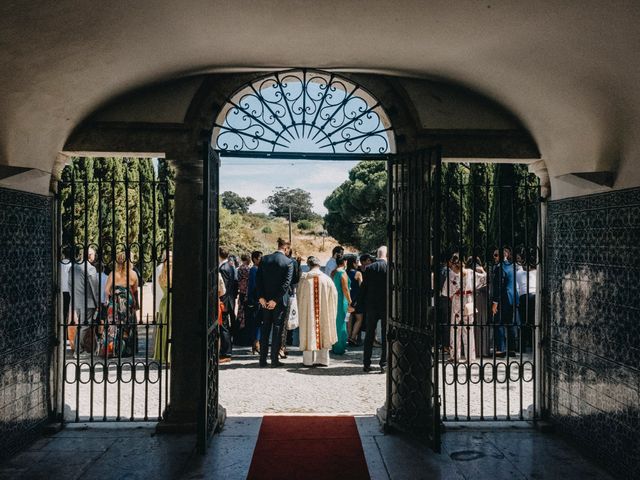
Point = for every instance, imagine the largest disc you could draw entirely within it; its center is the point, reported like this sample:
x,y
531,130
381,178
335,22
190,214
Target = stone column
x,y
186,357
539,169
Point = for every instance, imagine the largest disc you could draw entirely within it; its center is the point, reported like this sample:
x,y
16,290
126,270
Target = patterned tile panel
x,y
593,284
26,316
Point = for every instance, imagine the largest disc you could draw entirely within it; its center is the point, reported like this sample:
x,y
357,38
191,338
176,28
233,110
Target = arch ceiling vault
x,y
570,71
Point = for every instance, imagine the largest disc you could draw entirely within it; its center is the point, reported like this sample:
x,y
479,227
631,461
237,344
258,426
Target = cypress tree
x,y
165,191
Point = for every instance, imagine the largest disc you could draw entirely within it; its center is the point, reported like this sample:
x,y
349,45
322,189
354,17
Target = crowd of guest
x,y
101,304
272,301
487,310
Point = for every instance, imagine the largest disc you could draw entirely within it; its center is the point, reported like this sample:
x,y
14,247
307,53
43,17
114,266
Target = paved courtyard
x,y
342,387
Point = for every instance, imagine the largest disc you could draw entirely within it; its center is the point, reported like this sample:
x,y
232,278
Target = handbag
x,y
293,321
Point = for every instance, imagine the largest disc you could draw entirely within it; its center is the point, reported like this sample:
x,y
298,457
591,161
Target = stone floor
x,y
508,451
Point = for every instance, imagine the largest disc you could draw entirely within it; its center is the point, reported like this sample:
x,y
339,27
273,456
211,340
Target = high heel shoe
x,y
255,348
283,353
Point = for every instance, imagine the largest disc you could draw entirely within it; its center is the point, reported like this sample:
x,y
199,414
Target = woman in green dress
x,y
341,281
162,349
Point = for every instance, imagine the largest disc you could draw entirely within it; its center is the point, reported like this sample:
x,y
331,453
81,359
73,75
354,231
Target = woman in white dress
x,y
463,308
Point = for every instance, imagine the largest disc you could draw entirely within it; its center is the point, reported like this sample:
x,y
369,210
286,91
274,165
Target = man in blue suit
x,y
273,282
505,305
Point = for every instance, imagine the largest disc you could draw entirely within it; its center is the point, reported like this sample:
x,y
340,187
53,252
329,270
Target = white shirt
x,y
525,279
65,266
330,266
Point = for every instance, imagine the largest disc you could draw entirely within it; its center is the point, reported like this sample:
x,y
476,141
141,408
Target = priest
x,y
317,307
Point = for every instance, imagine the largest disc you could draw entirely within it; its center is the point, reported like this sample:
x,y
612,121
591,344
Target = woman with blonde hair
x,y
121,291
162,350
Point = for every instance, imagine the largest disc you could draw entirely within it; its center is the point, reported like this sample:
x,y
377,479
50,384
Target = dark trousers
x,y
66,302
507,323
225,336
371,318
527,311
444,320
271,319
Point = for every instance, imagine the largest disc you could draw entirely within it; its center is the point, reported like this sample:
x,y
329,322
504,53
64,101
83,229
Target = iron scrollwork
x,y
303,111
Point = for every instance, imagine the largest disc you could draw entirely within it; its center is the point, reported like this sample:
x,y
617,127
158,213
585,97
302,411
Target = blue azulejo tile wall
x,y
26,316
593,284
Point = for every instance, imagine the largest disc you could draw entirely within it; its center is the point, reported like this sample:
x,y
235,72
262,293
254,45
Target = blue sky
x,y
258,178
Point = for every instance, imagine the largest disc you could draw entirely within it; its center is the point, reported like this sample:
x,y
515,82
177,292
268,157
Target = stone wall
x,y
26,316
593,283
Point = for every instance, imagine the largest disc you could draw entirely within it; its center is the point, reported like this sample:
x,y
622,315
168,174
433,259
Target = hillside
x,y
243,233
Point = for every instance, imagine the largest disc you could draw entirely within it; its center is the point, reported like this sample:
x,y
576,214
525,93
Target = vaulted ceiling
x,y
569,70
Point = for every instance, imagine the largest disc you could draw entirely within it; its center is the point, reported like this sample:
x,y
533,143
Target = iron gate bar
x,y
302,156
209,388
412,393
300,97
83,199
516,369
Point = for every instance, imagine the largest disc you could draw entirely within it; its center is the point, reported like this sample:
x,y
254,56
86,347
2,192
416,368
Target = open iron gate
x,y
208,411
113,343
412,383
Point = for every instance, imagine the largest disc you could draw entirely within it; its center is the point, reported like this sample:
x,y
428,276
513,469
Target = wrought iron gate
x,y
114,236
412,383
488,330
208,416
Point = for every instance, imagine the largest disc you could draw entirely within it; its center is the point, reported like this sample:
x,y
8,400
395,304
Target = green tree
x,y
79,206
116,204
235,203
357,209
477,205
295,198
514,212
165,190
454,214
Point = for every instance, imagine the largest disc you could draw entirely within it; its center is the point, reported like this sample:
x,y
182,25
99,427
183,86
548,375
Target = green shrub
x,y
305,225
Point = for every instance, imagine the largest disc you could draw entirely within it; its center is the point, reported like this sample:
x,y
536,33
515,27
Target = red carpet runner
x,y
313,448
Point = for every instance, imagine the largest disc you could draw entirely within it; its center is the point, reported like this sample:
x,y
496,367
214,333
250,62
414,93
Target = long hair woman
x,y
341,281
121,290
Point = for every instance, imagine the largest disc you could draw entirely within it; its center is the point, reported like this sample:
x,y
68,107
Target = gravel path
x,y
246,389
340,388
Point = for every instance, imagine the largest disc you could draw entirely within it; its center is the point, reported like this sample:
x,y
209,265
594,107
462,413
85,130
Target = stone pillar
x,y
186,357
539,169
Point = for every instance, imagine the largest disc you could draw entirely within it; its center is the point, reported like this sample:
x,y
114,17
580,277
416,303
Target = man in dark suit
x,y
273,283
373,295
228,274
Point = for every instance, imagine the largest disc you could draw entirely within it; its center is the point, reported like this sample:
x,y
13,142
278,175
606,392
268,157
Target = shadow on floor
x,y
124,452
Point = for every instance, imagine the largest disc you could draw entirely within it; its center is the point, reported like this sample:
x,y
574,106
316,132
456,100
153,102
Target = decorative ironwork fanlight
x,y
300,111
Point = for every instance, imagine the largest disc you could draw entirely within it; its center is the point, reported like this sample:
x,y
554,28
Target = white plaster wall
x,y
569,70
165,103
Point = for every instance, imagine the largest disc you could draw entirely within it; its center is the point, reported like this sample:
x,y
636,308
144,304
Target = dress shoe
x,y
276,364
263,364
224,360
366,369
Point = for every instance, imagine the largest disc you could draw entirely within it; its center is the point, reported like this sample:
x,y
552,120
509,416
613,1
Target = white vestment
x,y
317,306
463,320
